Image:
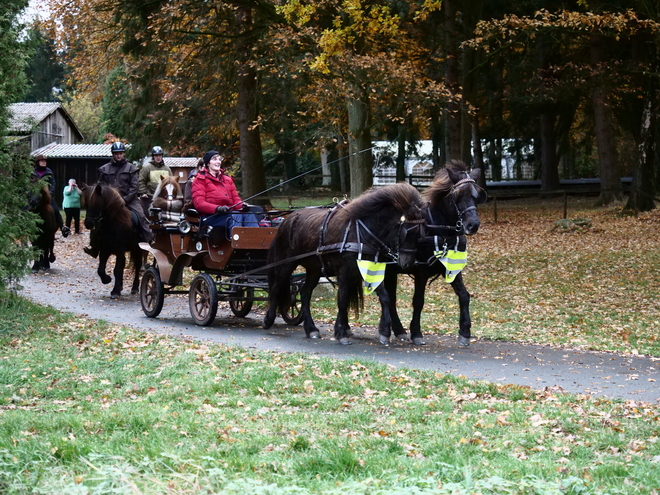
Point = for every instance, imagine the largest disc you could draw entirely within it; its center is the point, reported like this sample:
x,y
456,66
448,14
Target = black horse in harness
x,y
355,238
451,215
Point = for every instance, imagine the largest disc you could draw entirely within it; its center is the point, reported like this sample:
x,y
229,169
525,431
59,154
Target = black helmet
x,y
117,147
156,150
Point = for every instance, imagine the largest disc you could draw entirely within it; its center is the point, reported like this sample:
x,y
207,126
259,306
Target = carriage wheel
x,y
152,293
242,307
203,299
293,314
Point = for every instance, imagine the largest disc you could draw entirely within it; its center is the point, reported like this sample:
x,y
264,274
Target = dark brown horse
x,y
451,215
45,240
381,225
115,228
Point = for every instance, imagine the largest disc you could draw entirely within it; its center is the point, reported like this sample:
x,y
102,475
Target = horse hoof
x,y
314,335
419,341
51,258
345,341
115,296
134,292
267,322
106,280
464,341
384,340
403,337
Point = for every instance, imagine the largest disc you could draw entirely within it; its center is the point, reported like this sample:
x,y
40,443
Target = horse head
x,y
392,219
168,188
453,198
103,202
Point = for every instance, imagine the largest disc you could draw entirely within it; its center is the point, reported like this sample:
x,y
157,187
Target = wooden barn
x,y
41,124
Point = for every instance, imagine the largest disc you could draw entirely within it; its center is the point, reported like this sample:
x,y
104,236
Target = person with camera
x,y
215,197
71,205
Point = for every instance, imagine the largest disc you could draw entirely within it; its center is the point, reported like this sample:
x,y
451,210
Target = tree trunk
x,y
452,82
344,166
289,158
325,168
478,152
643,187
359,142
401,156
437,136
610,176
549,161
252,165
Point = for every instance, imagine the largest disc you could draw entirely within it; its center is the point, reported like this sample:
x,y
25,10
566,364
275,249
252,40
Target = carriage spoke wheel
x,y
293,314
203,299
242,307
152,293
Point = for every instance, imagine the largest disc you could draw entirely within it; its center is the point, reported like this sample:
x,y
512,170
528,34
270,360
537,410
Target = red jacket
x,y
209,192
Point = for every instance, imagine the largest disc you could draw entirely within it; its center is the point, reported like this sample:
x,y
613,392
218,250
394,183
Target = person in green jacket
x,y
71,204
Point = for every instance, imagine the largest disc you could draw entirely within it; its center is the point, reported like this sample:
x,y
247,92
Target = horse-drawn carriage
x,y
230,265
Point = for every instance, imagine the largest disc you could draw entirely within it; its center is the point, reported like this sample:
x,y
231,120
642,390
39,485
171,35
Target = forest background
x,y
277,81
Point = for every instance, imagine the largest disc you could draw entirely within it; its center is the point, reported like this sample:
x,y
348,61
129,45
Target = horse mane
x,y
107,199
168,179
400,195
45,200
442,183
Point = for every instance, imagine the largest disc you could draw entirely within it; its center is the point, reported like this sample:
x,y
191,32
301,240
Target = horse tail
x,y
356,297
279,275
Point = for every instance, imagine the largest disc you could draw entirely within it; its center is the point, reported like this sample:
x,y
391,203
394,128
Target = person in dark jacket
x,y
187,189
41,171
123,176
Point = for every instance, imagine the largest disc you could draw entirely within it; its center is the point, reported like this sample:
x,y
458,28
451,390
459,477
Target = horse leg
x,y
312,277
139,259
385,324
391,286
103,261
418,304
465,323
278,290
342,327
120,264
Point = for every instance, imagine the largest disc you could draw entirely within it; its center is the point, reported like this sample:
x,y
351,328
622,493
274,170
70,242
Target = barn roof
x,y
184,162
24,116
55,150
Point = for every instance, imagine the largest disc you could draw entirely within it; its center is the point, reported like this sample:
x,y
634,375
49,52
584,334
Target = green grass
x,y
89,407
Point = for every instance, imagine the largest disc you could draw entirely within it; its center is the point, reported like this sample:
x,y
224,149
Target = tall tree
x,y
17,226
44,72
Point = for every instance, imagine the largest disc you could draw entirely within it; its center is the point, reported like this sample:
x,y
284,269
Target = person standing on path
x,y
71,205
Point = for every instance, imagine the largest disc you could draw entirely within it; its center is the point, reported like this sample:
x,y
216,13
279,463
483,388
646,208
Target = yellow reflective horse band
x,y
453,260
373,274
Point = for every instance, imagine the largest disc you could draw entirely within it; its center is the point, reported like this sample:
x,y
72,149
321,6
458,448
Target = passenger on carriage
x,y
41,171
215,196
150,175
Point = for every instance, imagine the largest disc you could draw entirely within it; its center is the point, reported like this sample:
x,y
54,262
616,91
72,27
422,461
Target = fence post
x,y
495,209
565,205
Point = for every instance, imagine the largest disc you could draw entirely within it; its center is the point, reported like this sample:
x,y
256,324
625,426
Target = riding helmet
x,y
156,150
118,147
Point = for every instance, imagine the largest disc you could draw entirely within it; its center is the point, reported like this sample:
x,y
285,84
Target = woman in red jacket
x,y
214,195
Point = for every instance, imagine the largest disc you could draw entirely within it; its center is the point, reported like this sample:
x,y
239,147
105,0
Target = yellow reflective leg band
x,y
372,273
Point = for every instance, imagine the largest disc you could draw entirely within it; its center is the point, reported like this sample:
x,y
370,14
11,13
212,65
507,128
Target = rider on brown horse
x,y
123,176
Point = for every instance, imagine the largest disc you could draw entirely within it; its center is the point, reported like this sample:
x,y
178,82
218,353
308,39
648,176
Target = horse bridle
x,y
459,222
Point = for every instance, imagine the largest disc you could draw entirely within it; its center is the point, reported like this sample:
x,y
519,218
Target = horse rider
x,y
150,175
41,171
123,176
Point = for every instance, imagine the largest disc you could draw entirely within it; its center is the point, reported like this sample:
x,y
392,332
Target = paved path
x,y
72,285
